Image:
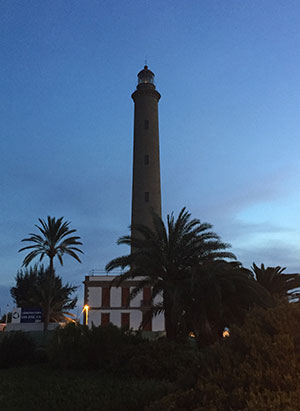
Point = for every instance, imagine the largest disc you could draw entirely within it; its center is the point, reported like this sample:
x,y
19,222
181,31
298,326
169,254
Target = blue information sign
x,y
31,315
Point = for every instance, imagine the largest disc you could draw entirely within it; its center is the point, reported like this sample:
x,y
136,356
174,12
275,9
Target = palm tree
x,y
163,256
52,242
276,282
217,295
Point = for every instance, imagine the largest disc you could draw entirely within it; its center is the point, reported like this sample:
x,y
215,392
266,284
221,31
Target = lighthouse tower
x,y
146,192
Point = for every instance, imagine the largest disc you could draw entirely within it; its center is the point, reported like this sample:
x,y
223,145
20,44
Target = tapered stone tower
x,y
146,192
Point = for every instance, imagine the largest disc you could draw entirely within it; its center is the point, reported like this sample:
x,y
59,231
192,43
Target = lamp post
x,y
86,313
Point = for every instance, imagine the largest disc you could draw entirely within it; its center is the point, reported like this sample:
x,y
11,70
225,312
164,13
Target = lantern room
x,y
146,76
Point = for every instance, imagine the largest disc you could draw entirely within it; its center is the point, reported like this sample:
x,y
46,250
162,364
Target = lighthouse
x,y
146,189
106,303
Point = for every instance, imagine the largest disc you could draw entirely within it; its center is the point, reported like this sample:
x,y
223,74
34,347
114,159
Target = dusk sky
x,y
228,72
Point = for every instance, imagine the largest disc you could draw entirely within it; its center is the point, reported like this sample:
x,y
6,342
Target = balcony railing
x,y
103,272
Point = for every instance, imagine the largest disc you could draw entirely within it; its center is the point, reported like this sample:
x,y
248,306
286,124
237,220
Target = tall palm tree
x,y
163,256
276,281
54,241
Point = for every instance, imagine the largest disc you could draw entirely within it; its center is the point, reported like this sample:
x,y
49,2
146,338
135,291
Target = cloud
x,y
270,187
272,254
245,232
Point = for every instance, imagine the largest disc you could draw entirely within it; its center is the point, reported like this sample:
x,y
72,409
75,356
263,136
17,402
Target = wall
x,y
93,292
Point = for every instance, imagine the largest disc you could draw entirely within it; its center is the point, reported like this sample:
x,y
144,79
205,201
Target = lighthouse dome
x,y
145,76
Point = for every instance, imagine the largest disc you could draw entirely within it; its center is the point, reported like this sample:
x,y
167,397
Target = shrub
x,y
77,347
122,353
257,368
109,346
36,388
68,347
16,348
164,360
40,356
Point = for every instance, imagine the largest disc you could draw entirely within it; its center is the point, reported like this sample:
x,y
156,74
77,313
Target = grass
x,y
38,387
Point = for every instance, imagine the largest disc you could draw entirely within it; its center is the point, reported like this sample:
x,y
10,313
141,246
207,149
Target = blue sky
x,y
228,72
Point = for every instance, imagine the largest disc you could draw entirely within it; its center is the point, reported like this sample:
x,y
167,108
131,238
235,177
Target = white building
x,y
109,304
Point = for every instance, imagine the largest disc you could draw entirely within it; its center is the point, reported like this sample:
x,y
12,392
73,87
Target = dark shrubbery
x,y
36,388
123,353
108,344
257,368
164,360
77,347
68,347
16,348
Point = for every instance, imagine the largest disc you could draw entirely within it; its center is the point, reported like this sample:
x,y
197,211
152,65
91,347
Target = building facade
x,y
110,304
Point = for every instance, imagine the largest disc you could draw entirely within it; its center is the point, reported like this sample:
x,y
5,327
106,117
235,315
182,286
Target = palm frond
x,y
52,241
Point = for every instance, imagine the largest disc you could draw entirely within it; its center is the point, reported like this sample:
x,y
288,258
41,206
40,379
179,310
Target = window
x,y
105,318
125,320
105,297
146,124
125,297
146,160
147,196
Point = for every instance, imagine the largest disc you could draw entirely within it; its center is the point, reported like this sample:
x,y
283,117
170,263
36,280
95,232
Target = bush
x,y
122,353
257,368
109,345
77,347
16,348
68,347
41,355
164,360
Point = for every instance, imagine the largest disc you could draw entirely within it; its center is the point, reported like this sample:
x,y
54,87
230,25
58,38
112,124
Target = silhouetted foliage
x,y
218,294
26,281
276,281
38,287
121,352
6,317
55,241
163,360
165,255
16,348
257,368
40,388
77,347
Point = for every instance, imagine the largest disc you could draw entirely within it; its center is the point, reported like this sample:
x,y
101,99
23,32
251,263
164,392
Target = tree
x,y
217,295
164,256
26,281
54,242
6,318
39,287
276,282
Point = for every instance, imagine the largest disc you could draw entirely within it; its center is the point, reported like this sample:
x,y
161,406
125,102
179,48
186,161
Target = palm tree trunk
x,y
170,329
169,322
51,266
46,319
206,335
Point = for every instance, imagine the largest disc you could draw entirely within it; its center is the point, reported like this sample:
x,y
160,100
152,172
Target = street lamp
x,y
86,310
